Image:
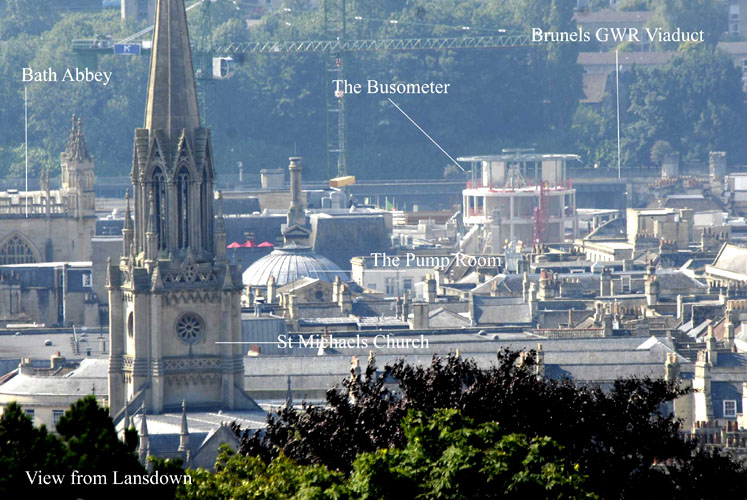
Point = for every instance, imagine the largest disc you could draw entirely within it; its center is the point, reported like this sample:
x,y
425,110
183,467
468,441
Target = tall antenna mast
x,y
617,85
26,142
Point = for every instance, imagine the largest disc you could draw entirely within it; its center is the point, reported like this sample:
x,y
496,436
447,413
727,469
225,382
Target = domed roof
x,y
289,263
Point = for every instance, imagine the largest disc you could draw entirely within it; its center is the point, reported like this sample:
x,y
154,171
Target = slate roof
x,y
695,331
501,310
506,283
31,344
613,16
164,428
722,391
696,202
670,280
200,421
597,360
614,228
244,205
732,258
443,318
625,58
732,360
90,378
295,285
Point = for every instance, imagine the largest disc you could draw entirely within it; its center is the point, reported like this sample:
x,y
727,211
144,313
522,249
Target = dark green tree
x,y
19,16
618,437
86,442
444,455
695,103
25,448
447,455
238,476
692,15
92,442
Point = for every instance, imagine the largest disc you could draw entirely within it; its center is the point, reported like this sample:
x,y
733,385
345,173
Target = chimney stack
x,y
297,210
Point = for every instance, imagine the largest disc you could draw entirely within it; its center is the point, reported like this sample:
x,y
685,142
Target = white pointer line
x,y
426,134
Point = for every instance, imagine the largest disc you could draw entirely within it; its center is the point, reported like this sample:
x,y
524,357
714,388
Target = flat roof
x,y
657,211
82,264
519,157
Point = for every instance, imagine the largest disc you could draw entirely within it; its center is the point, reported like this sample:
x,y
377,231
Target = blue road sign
x,y
131,49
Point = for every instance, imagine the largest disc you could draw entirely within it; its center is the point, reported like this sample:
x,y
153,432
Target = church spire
x,y
144,445
172,98
184,432
76,148
127,230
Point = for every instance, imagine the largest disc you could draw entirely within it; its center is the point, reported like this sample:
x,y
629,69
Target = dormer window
x,y
730,408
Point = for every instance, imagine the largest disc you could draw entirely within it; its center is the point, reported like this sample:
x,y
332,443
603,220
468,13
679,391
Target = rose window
x,y
189,328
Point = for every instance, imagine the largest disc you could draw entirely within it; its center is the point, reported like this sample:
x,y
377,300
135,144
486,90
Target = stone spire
x,y
184,434
76,148
220,229
172,98
151,243
127,229
172,157
289,394
144,439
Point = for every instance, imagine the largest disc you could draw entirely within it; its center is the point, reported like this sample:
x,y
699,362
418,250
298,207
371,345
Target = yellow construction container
x,y
339,182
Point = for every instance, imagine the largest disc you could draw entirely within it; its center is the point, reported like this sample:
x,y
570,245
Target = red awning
x,y
234,245
265,244
248,244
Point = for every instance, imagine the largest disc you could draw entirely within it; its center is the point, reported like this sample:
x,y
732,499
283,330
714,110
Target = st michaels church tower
x,y
175,313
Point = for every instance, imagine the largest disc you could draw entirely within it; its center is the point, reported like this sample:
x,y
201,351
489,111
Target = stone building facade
x,y
52,225
45,243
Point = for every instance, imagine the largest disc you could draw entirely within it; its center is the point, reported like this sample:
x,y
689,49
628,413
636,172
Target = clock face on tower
x,y
189,328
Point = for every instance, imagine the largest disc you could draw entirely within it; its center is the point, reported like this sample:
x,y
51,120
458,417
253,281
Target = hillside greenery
x,y
275,105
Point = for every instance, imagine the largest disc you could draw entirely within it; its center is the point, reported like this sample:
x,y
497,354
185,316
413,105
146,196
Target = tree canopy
x,y
445,455
86,441
622,439
275,105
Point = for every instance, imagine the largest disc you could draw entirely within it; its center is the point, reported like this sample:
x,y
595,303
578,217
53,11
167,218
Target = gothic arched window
x,y
16,251
205,198
182,206
159,202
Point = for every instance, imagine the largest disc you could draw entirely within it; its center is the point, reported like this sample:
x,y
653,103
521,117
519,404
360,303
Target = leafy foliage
x,y
86,442
92,443
444,455
275,104
616,436
24,447
692,15
237,476
694,102
448,456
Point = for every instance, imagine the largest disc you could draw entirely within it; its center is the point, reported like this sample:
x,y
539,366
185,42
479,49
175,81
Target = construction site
x,y
520,196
